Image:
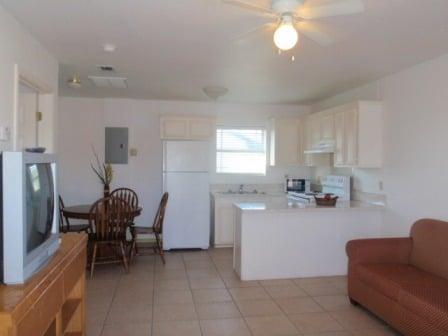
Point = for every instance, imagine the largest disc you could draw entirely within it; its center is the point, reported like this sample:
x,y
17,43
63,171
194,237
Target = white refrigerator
x,y
186,179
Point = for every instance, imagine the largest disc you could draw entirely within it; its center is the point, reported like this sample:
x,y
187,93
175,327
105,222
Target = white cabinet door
x,y
286,142
186,128
351,137
174,128
307,141
327,128
315,130
339,154
201,129
224,224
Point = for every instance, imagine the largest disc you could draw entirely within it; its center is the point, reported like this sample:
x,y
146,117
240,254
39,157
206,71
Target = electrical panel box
x,y
116,145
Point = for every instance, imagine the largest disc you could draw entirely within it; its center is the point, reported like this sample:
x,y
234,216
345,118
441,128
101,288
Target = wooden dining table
x,y
82,211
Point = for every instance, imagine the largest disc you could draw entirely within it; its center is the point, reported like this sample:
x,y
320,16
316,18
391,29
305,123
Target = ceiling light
x,y
74,82
109,47
214,92
286,36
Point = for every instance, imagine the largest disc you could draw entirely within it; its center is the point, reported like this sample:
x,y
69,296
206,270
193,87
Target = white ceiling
x,y
171,49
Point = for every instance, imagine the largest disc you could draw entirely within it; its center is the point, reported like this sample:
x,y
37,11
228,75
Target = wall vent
x,y
109,82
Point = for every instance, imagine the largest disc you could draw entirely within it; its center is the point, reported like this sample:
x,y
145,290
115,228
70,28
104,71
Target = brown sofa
x,y
404,281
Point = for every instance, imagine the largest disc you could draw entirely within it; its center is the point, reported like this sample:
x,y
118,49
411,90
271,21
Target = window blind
x,y
241,150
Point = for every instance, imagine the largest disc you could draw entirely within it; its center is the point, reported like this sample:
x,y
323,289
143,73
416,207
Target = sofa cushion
x,y
430,246
420,292
389,279
428,301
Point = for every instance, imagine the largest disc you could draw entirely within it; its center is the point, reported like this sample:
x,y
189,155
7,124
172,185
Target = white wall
x,y
17,46
415,168
82,122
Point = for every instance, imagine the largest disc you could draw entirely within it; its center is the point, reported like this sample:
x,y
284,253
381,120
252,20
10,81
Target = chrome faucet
x,y
241,190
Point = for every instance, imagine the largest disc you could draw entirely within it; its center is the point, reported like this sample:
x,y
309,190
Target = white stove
x,y
302,197
331,184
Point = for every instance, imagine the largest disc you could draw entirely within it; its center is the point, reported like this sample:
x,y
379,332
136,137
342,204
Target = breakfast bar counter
x,y
288,205
286,239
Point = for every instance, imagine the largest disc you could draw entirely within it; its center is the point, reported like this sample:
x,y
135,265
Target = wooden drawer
x,y
74,271
41,315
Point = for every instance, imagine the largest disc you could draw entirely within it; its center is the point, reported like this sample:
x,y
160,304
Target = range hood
x,y
324,147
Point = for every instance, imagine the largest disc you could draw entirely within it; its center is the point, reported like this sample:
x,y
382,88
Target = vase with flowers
x,y
104,172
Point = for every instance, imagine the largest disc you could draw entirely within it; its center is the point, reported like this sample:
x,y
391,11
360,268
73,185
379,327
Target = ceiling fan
x,y
294,16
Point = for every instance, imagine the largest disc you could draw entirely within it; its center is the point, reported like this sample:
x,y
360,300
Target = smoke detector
x,y
214,92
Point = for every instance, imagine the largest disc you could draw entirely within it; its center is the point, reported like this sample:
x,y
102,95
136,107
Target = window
x,y
241,151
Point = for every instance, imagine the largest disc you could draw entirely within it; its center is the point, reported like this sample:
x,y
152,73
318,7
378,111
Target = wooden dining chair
x,y
64,223
156,229
129,195
109,220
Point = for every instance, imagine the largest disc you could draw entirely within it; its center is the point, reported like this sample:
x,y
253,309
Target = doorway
x,y
28,108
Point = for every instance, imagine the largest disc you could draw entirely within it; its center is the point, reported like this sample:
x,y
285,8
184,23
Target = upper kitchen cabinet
x,y
286,141
186,128
321,128
359,135
289,138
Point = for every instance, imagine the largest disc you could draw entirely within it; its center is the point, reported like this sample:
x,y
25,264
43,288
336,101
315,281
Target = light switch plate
x,y
133,152
4,133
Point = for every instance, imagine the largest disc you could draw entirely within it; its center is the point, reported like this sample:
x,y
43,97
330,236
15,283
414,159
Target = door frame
x,y
23,76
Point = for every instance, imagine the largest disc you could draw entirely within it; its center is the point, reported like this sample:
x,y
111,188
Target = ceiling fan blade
x,y
268,27
247,6
330,8
312,31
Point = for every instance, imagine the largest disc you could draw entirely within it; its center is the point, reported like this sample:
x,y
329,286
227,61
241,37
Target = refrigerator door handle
x,y
164,159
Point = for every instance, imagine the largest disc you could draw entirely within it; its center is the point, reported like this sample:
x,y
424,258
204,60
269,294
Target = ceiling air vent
x,y
109,82
106,68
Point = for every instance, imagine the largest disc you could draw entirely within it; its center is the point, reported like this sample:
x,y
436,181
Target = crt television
x,y
29,223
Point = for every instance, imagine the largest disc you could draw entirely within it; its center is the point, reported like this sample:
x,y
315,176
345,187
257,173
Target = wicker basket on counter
x,y
326,200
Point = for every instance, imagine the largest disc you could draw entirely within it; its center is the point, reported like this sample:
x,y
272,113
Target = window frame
x,y
239,127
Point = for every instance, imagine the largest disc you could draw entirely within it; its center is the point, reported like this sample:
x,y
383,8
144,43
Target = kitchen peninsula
x,y
288,239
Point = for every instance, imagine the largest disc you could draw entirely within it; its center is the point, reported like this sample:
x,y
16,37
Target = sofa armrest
x,y
382,250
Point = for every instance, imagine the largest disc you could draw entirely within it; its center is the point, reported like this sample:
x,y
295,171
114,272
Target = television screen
x,y
39,204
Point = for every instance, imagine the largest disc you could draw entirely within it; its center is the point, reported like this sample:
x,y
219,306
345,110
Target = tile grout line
x,y
154,264
191,291
110,305
233,300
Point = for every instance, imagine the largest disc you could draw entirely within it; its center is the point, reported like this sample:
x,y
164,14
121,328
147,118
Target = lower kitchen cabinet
x,y
224,224
223,215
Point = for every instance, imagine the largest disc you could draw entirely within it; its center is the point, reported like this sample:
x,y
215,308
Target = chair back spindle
x,y
160,215
128,195
109,219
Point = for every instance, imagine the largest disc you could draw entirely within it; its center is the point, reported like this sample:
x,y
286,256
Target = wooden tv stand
x,y
52,302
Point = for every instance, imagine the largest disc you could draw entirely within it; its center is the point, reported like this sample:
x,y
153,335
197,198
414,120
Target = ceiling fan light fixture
x,y
286,36
74,82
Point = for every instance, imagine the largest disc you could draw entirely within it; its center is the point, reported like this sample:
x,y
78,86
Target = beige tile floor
x,y
198,294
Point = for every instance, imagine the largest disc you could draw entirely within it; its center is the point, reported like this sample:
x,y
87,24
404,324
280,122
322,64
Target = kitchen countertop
x,y
248,195
288,205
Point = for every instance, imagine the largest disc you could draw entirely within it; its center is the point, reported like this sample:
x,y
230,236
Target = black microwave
x,y
296,185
